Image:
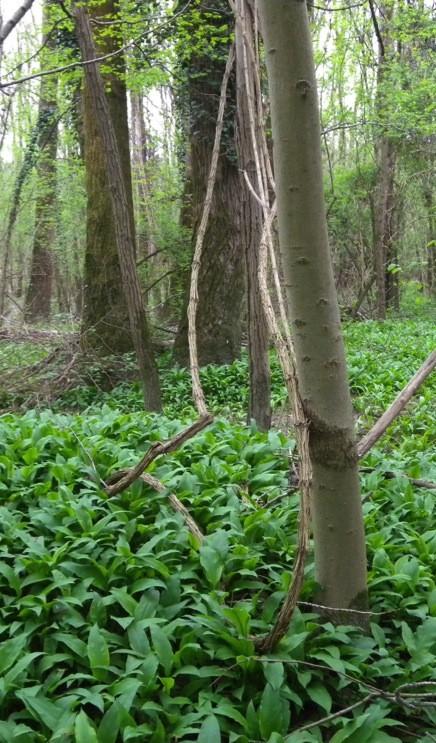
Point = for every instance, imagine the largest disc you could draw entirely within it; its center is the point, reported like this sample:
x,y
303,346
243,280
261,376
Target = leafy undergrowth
x,y
115,625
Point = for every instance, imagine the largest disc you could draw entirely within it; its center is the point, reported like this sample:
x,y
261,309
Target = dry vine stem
x,y
197,389
121,480
282,340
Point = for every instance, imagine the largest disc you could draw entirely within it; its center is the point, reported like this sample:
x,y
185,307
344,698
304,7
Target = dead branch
x,y
177,504
400,402
120,481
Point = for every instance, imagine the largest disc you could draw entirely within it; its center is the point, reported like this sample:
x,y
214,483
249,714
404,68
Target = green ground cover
x,y
115,625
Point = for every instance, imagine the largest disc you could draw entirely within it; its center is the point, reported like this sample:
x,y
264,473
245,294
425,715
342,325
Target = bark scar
x,y
303,87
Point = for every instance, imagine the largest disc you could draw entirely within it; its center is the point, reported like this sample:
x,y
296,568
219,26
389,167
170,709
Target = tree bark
x,y
105,321
340,560
259,408
122,216
221,282
39,292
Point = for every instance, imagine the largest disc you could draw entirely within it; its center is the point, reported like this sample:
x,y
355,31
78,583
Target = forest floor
x,y
117,625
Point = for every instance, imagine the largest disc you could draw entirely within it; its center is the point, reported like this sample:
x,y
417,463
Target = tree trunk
x,y
121,215
430,283
39,292
140,161
221,282
105,320
251,223
384,240
384,248
340,560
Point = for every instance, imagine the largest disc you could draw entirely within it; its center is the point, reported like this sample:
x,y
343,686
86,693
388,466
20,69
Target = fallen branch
x,y
120,481
178,506
377,431
390,475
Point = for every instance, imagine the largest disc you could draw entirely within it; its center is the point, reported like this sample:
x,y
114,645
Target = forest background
x,y
139,238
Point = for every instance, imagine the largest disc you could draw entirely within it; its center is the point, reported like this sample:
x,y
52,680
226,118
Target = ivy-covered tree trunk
x,y
340,560
221,281
39,292
259,408
122,215
105,320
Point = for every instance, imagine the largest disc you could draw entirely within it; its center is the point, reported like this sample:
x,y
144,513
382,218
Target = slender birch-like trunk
x,y
336,506
259,407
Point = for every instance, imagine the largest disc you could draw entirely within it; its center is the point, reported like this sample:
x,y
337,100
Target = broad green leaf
x,y
83,730
10,650
319,694
98,653
43,709
163,648
270,712
274,674
209,731
109,727
212,563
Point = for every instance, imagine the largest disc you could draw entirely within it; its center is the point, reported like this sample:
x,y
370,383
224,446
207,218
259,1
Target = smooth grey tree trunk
x,y
340,558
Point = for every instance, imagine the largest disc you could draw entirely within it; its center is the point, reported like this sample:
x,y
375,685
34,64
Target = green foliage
x,y
115,625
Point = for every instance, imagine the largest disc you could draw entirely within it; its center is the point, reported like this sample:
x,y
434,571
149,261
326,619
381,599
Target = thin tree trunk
x,y
384,247
39,292
430,271
251,224
9,26
140,160
42,132
122,216
384,238
340,560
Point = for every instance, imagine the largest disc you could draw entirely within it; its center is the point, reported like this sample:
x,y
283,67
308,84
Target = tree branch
x,y
377,431
121,480
15,19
